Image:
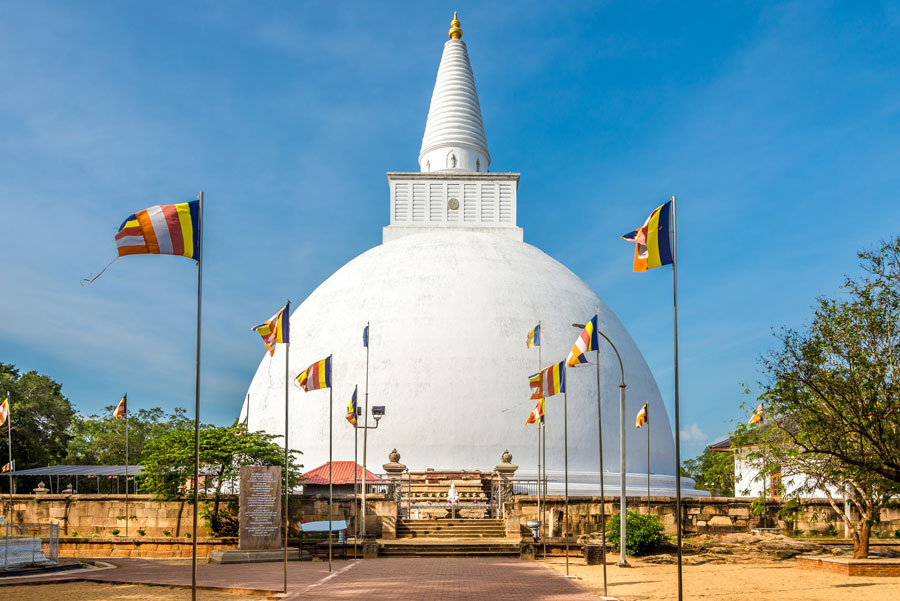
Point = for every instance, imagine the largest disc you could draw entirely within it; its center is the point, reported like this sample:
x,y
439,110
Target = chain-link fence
x,y
29,544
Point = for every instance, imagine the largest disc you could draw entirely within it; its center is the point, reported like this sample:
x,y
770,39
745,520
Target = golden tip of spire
x,y
455,32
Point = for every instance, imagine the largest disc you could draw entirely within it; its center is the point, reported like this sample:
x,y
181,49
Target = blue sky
x,y
776,124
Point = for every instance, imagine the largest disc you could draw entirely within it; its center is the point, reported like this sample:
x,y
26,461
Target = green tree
x,y
169,466
100,440
40,416
712,471
831,400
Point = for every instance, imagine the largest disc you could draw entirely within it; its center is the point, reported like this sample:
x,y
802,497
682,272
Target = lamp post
x,y
623,562
377,414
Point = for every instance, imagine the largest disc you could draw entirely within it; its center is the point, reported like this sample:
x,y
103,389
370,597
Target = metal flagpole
x,y
362,524
355,471
648,457
677,415
126,466
566,455
542,501
600,443
287,355
623,512
197,400
330,464
9,448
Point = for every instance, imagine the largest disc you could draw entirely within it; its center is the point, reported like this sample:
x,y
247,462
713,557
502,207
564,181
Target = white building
x,y
450,296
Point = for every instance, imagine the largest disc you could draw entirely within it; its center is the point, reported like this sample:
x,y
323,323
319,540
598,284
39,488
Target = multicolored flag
x,y
757,416
643,417
276,329
351,408
653,240
10,467
549,381
366,336
586,341
4,409
243,426
534,337
537,414
121,408
316,376
162,230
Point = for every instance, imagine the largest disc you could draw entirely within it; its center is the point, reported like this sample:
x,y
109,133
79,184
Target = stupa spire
x,y
454,132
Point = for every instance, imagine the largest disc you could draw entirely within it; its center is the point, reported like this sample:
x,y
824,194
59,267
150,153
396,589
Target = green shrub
x,y
115,531
75,533
187,535
141,532
643,533
832,531
798,532
167,533
897,533
813,532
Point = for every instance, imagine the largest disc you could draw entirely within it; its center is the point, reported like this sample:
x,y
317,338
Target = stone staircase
x,y
451,529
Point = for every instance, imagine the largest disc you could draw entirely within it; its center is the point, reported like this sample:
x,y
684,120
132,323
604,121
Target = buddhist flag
x,y
366,336
653,240
534,337
757,416
643,417
351,408
4,409
10,467
549,381
162,230
537,415
586,341
316,376
276,329
121,408
243,426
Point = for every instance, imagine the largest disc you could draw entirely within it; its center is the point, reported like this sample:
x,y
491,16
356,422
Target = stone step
x,y
448,550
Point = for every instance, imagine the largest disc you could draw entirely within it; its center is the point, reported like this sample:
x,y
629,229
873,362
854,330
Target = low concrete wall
x,y
700,515
148,547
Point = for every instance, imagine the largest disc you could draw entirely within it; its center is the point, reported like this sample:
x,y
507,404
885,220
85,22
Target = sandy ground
x,y
729,582
92,591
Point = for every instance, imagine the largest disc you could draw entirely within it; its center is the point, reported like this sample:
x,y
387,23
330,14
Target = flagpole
x,y
648,458
287,354
600,443
197,399
677,414
362,525
566,456
126,466
542,502
330,462
355,470
11,470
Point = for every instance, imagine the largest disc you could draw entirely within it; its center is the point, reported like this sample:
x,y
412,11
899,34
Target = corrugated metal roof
x,y
342,473
79,470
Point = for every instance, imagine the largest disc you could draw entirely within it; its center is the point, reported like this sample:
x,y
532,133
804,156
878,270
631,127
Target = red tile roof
x,y
342,473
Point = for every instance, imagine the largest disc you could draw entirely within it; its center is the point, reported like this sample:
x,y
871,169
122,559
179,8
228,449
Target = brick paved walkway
x,y
385,579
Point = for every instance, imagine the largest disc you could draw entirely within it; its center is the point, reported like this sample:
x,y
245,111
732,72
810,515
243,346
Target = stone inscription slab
x,y
260,516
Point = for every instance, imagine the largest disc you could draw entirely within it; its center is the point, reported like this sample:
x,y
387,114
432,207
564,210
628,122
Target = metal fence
x,y
29,544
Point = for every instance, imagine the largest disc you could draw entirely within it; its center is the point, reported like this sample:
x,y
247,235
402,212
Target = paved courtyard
x,y
389,579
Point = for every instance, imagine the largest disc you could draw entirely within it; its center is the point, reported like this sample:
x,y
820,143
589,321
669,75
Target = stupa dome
x,y
449,297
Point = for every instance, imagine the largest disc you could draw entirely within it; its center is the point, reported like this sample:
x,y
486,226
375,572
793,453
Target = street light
x,y
623,563
377,414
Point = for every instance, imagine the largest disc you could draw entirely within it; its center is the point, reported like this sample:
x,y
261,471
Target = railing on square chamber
x,y
29,544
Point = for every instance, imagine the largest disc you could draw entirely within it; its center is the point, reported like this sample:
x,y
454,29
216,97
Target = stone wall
x,y
98,515
700,515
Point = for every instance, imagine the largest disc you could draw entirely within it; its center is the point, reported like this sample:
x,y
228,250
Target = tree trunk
x,y
861,539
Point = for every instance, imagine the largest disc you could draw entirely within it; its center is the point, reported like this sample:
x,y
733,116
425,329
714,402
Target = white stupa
x,y
450,296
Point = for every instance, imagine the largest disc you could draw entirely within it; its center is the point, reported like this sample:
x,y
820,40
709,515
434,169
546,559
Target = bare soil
x,y
92,591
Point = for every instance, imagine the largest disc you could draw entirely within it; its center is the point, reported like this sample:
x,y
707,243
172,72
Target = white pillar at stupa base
x,y
450,296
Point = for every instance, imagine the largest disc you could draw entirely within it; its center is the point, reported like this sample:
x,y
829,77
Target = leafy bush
x,y
643,533
798,532
141,532
167,533
897,533
832,531
187,535
115,531
75,533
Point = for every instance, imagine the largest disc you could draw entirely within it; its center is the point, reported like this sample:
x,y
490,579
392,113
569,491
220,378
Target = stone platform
x,y
851,567
255,556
